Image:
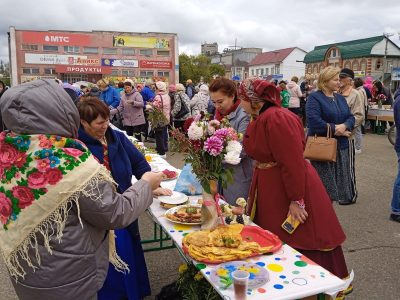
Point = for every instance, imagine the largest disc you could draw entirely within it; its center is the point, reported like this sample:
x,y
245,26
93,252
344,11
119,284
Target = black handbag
x,y
184,110
117,120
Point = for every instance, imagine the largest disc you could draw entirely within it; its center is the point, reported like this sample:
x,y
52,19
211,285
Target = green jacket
x,y
285,95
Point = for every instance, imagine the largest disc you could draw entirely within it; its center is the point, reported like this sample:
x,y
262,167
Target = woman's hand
x,y
340,129
162,192
153,178
297,213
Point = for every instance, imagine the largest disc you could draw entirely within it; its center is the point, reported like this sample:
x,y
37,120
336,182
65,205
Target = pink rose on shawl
x,y
20,160
73,152
5,208
37,180
24,195
45,142
54,176
1,173
3,136
43,165
8,155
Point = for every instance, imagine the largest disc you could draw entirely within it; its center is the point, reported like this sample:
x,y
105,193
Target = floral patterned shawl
x,y
40,177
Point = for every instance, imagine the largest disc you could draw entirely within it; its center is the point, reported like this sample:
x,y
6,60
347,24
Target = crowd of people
x,y
81,207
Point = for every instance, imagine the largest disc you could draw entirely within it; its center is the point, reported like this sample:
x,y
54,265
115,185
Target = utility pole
x,y
384,69
233,56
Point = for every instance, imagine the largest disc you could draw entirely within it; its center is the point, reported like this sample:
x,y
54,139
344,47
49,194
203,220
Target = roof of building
x,y
350,49
271,56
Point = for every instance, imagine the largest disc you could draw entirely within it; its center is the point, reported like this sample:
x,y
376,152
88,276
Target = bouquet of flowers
x,y
156,116
208,144
381,98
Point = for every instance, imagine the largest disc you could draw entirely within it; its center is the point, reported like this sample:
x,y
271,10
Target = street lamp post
x,y
384,69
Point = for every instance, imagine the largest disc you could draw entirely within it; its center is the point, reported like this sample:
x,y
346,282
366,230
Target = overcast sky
x,y
270,25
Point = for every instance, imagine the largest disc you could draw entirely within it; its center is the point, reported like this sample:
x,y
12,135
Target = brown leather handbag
x,y
321,148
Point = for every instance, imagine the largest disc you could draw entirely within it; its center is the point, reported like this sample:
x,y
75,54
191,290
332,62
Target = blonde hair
x,y
179,87
103,83
327,74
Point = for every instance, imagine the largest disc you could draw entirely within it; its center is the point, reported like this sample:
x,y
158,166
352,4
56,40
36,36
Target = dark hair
x,y
121,85
358,82
224,85
379,86
91,107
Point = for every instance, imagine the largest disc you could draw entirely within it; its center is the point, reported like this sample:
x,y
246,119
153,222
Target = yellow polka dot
x,y
275,267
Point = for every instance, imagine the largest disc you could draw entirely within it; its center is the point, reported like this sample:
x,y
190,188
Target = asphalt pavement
x,y
372,248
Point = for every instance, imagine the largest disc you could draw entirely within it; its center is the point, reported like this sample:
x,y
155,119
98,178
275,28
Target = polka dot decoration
x,y
275,268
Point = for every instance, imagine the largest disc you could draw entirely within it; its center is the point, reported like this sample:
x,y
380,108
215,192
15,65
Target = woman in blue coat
x,y
108,94
113,149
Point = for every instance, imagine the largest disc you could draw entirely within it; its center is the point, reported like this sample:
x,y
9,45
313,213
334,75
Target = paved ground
x,y
373,242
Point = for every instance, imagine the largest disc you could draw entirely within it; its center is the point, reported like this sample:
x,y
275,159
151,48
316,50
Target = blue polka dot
x,y
261,264
248,293
278,286
282,276
298,256
277,258
249,290
180,230
172,231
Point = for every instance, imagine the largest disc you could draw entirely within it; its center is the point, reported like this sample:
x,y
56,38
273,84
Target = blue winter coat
x,y
321,110
125,160
147,94
396,111
110,96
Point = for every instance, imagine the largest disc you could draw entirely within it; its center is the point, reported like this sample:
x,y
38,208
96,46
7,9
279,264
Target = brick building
x,y
91,55
376,56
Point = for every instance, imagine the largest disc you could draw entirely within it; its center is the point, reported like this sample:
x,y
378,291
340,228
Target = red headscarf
x,y
257,90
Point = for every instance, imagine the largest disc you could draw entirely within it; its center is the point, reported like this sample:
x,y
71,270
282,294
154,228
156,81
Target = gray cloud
x,y
266,24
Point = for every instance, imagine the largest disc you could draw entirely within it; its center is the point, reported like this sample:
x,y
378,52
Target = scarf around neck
x,y
40,178
219,116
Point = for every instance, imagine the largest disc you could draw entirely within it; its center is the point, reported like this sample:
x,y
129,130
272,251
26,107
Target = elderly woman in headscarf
x,y
199,102
57,203
163,102
284,183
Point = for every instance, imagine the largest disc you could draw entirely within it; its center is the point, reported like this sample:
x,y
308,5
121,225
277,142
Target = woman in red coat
x,y
284,183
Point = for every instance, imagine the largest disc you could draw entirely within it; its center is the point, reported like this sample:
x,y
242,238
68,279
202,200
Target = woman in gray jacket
x,y
58,205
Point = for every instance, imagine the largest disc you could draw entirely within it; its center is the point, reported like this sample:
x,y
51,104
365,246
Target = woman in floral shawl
x,y
57,203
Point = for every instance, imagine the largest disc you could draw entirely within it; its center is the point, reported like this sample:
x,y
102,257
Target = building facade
x,y
209,49
89,56
376,56
236,61
280,64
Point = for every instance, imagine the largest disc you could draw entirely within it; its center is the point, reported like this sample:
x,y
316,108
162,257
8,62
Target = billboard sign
x,y
140,42
396,74
52,59
126,63
55,38
155,64
83,69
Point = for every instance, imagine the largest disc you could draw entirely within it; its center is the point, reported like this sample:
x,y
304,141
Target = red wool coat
x,y
277,135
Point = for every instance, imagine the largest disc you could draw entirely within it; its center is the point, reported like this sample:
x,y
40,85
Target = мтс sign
x,y
55,38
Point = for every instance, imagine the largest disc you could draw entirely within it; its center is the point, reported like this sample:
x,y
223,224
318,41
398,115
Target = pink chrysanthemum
x,y
213,145
221,133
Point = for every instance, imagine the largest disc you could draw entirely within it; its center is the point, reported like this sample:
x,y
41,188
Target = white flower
x,y
234,146
195,132
232,158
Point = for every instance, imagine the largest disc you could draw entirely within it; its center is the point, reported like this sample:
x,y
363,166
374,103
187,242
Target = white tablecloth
x,y
292,275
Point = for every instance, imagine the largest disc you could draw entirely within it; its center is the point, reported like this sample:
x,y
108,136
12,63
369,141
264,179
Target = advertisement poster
x,y
155,64
126,63
55,38
52,59
27,78
83,69
140,42
396,74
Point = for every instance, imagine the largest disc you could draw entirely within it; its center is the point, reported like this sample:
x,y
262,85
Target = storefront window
x,y
163,52
30,70
128,73
109,50
347,64
146,73
49,71
50,48
30,47
91,50
114,72
146,52
74,77
128,51
363,65
163,74
71,49
277,69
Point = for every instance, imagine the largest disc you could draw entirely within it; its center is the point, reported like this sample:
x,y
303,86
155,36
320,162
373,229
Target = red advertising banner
x,y
156,64
82,69
55,38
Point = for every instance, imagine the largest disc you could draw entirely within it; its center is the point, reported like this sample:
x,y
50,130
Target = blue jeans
x,y
396,190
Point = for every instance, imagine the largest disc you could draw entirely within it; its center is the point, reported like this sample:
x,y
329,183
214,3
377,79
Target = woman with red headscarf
x,y
284,183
